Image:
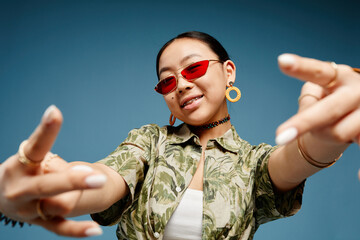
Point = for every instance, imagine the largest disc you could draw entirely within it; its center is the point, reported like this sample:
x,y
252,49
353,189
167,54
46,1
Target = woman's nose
x,y
183,84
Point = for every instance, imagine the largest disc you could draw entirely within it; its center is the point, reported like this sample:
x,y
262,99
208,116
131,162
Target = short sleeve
x,y
269,204
130,159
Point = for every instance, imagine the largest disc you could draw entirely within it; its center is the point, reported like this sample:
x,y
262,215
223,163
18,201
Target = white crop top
x,y
186,221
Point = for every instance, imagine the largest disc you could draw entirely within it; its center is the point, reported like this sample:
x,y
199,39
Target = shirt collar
x,y
182,133
230,140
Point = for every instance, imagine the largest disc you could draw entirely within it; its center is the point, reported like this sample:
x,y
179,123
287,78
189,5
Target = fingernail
x,y
82,168
47,113
286,136
95,231
95,181
286,60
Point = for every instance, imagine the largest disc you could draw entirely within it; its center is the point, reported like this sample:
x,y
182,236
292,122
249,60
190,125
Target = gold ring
x,y
40,212
307,94
23,159
333,80
54,155
47,159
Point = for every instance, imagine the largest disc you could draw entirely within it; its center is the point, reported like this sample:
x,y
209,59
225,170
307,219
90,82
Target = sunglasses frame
x,y
182,69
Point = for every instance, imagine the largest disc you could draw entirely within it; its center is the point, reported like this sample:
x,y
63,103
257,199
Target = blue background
x,y
95,60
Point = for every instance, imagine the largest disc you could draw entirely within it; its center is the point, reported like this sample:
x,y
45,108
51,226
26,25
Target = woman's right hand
x,y
24,188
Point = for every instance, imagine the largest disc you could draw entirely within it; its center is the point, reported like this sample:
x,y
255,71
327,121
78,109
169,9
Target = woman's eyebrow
x,y
181,62
188,57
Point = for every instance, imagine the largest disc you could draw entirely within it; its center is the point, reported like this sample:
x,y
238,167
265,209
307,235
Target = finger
x,y
53,163
70,228
348,128
308,69
42,139
310,94
77,178
62,204
321,114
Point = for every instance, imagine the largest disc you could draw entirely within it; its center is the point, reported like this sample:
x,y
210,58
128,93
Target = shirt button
x,y
178,189
156,234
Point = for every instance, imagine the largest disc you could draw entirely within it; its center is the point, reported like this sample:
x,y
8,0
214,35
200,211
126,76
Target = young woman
x,y
198,180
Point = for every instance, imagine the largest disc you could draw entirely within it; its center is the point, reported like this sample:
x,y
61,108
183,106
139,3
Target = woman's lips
x,y
191,103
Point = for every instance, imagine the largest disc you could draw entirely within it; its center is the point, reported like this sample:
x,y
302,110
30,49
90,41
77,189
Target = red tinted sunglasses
x,y
190,73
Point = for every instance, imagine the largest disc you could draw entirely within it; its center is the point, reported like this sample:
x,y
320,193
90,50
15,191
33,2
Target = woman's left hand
x,y
329,104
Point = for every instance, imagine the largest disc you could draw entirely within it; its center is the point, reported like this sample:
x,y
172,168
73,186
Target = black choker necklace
x,y
8,221
215,124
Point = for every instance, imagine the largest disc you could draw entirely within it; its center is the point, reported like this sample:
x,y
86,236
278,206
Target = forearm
x,y
97,200
288,168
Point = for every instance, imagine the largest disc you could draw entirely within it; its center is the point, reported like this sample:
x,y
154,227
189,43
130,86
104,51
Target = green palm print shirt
x,y
158,164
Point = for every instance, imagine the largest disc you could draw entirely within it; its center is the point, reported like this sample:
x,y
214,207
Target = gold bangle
x,y
312,161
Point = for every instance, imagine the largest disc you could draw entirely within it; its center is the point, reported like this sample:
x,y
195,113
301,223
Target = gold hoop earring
x,y
172,120
231,88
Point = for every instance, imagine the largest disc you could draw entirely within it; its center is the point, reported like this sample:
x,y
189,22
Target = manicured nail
x,y
286,136
95,181
47,113
286,60
82,168
94,231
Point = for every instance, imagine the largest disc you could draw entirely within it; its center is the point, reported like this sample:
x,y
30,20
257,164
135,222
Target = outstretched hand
x,y
44,189
329,104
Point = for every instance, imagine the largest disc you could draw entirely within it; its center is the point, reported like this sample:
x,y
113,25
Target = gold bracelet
x,y
312,161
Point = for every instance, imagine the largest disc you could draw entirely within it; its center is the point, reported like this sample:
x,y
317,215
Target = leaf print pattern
x,y
156,162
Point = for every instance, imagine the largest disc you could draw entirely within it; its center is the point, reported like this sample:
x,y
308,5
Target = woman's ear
x,y
230,71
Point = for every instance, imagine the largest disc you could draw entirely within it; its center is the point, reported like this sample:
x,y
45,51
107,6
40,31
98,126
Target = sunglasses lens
x,y
191,72
166,85
195,70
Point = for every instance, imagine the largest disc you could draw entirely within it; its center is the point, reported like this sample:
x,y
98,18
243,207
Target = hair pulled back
x,y
213,44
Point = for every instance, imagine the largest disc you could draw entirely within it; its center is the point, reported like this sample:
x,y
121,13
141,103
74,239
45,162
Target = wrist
x,y
324,153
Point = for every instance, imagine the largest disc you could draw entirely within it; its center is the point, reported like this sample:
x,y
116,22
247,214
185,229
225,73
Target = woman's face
x,y
203,100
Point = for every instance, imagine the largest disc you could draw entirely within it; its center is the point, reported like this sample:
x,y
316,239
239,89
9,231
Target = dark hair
x,y
213,44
